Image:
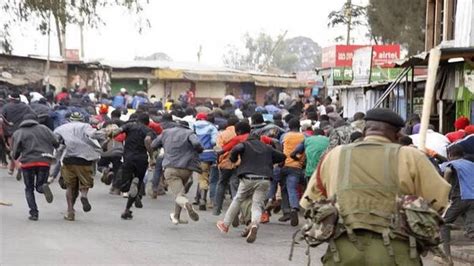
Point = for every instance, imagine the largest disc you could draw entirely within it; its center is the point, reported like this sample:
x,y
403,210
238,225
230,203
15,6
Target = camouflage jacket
x,y
340,136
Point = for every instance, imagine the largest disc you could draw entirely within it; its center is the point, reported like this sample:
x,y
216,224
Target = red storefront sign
x,y
341,55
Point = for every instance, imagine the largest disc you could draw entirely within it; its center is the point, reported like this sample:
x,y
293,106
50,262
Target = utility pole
x,y
81,29
349,21
199,53
267,60
49,51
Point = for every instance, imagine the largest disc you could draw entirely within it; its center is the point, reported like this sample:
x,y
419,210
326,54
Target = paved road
x,y
101,237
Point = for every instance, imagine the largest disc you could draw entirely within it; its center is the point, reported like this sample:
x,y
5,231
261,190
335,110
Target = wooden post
x,y
433,63
429,33
437,23
448,20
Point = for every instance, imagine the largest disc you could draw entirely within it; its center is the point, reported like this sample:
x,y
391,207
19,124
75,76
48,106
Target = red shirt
x,y
155,127
241,138
61,96
34,164
456,135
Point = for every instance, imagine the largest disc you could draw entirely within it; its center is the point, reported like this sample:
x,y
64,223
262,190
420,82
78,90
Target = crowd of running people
x,y
262,156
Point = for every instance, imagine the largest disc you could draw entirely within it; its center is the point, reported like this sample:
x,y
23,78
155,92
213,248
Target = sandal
x,y
70,216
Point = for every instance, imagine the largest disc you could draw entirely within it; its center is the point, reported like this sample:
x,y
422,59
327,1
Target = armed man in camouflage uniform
x,y
365,178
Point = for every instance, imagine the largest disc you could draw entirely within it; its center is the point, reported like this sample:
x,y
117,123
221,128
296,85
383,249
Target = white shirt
x,y
23,99
35,96
434,141
322,109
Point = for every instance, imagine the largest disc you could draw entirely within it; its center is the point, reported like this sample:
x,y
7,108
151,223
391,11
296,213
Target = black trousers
x,y
3,151
457,209
133,167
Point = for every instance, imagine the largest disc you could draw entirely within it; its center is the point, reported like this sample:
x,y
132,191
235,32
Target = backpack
x,y
420,223
321,225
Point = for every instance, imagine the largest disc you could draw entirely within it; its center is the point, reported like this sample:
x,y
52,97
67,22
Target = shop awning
x,y
446,54
170,74
278,82
217,76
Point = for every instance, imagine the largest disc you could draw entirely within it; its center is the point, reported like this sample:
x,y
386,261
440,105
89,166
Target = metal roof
x,y
446,54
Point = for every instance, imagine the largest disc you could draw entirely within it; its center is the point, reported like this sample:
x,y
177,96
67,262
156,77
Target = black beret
x,y
385,115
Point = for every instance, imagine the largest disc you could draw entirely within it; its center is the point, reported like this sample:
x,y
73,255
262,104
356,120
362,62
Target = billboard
x,y
361,65
72,55
341,55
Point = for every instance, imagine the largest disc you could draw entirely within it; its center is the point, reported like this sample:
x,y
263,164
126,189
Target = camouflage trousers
x,y
371,251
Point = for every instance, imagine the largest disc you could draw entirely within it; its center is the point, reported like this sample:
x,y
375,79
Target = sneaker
x,y
70,216
265,218
18,175
105,172
183,221
277,206
202,206
133,192
285,218
125,194
236,222
33,218
127,215
86,206
252,236
48,195
114,191
191,212
245,232
216,212
173,219
138,203
154,195
294,218
222,227
109,178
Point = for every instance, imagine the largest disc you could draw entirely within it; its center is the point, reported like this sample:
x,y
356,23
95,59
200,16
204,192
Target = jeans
x,y
257,190
226,178
213,180
276,180
291,178
34,178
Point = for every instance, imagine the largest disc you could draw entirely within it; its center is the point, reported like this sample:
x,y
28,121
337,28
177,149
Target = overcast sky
x,y
179,27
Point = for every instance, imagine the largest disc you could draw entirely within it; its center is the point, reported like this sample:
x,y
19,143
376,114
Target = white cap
x,y
123,90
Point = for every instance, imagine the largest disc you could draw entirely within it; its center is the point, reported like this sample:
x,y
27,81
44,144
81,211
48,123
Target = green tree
x,y
350,16
62,13
401,21
264,52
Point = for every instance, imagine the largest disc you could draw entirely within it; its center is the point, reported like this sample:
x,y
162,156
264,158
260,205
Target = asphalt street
x,y
101,237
